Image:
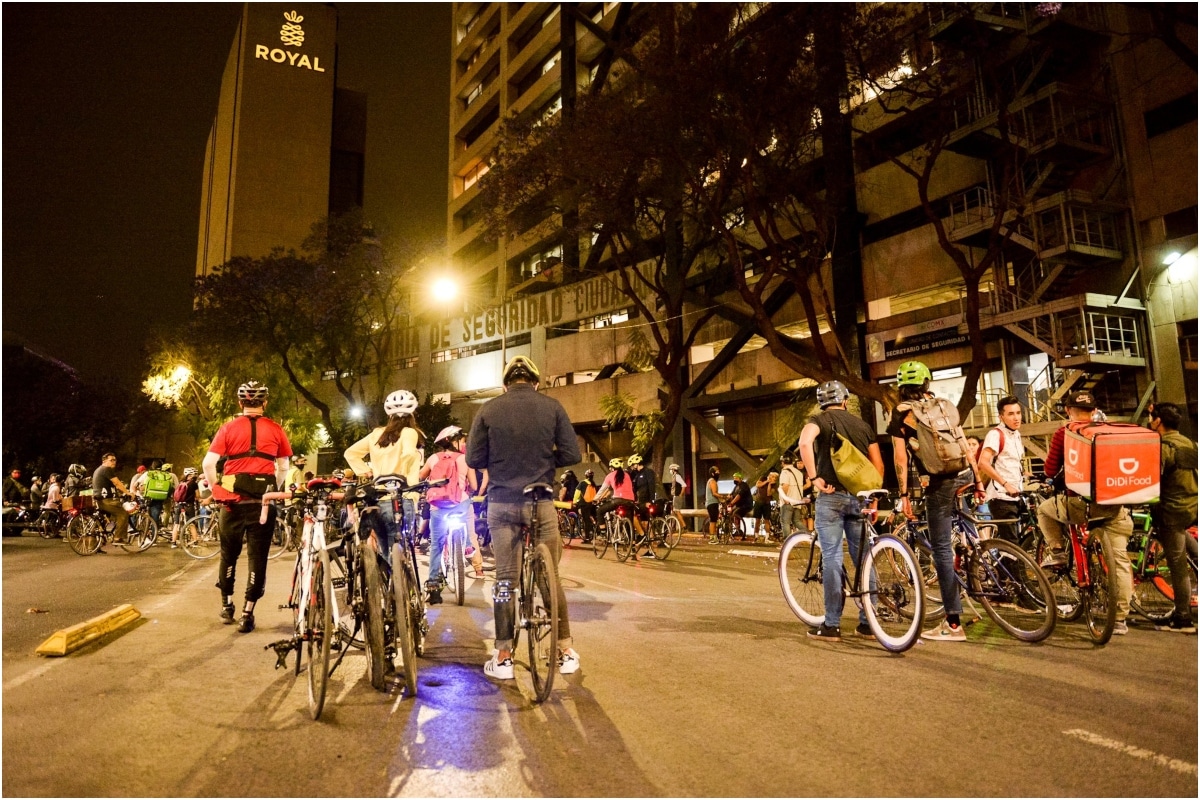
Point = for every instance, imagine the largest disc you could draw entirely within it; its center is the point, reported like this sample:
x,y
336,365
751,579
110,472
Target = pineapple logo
x,y
291,32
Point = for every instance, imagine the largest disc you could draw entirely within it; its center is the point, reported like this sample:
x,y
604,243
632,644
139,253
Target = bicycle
x,y
570,526
51,523
616,529
1013,590
665,530
143,529
92,528
1083,586
537,600
729,525
1153,591
895,597
454,561
201,535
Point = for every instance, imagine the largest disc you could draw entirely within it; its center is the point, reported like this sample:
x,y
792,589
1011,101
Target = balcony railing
x,y
1071,225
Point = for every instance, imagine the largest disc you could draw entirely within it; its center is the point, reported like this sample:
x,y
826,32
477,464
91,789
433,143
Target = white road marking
x,y
619,589
36,672
1133,750
756,553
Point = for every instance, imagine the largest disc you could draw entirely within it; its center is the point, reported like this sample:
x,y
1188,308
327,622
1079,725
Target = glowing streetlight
x,y
357,412
444,289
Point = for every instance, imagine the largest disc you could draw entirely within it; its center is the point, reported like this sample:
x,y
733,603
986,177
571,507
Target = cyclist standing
x,y
256,453
585,497
1175,511
1002,459
520,438
645,491
678,493
739,503
1067,507
453,498
712,502
839,513
107,490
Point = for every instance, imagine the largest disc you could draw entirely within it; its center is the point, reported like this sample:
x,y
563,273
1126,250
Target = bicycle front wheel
x,y
373,618
142,533
623,539
319,632
1068,601
201,537
542,586
566,528
88,536
658,538
1100,596
1014,591
896,610
405,636
600,540
672,533
458,567
1153,594
802,578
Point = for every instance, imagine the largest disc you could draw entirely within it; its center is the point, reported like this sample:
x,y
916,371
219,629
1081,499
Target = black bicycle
x,y
537,602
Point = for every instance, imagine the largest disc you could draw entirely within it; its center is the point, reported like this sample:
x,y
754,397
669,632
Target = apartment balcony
x,y
476,105
1072,24
472,33
1076,331
950,22
488,58
540,92
535,51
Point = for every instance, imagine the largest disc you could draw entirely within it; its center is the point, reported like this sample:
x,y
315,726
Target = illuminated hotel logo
x,y
291,34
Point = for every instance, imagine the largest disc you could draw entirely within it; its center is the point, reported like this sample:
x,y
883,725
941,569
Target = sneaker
x,y
478,573
500,670
1120,629
825,634
1056,557
227,614
864,629
174,546
435,598
1176,624
713,540
568,661
649,554
945,633
468,552
246,623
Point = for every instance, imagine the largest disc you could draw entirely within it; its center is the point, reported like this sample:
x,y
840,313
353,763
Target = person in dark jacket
x,y
1175,511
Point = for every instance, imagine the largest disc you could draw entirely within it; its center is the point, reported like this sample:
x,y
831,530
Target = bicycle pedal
x,y
338,583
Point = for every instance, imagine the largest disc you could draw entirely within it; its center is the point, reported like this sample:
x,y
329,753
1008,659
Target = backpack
x,y
158,485
181,492
589,493
451,494
854,470
940,441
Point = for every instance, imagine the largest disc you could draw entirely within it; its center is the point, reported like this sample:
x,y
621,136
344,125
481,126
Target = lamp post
x,y
445,290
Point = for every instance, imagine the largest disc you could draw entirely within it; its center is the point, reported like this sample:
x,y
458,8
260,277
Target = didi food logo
x,y
1128,466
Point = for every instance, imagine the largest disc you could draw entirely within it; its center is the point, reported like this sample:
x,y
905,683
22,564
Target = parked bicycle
x,y
90,529
886,583
201,534
570,524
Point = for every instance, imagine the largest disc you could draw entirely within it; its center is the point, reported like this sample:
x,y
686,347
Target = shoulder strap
x,y
1000,431
253,452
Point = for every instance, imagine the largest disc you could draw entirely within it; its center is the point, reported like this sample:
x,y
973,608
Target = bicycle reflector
x,y
653,509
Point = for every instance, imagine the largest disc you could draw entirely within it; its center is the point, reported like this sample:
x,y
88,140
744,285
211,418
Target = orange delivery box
x,y
1112,463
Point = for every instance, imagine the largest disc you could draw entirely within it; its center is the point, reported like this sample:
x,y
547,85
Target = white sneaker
x,y
1120,629
568,661
500,670
945,633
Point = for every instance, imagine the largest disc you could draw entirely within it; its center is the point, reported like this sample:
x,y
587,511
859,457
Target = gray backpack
x,y
940,444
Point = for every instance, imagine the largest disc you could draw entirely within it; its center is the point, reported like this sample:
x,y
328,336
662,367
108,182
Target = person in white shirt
x,y
792,503
1002,461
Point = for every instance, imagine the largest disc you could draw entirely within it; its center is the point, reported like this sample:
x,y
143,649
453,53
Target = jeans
x,y
1174,543
505,521
156,511
383,532
839,515
939,507
440,523
1005,509
240,522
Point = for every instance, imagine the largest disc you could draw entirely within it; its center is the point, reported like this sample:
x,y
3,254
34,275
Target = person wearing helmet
x,y
447,503
520,438
677,491
739,503
256,453
567,484
137,485
838,512
392,449
645,492
912,379
585,503
108,491
185,502
712,501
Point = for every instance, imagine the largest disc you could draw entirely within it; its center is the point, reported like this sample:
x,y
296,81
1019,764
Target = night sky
x,y
106,113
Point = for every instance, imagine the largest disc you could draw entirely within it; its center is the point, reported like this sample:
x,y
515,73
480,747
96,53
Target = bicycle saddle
x,y
533,490
317,484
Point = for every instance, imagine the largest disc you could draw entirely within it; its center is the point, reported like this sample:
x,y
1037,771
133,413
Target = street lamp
x,y
446,290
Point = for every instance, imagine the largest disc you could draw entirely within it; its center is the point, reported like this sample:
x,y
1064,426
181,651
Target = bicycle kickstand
x,y
282,648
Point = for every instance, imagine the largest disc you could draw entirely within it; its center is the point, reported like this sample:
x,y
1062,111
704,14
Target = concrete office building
x,y
286,146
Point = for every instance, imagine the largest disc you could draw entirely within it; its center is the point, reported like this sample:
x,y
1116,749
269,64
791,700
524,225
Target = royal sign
x,y
1112,464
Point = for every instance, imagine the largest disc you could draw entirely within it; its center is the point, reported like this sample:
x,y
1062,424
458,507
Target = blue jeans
x,y
383,532
838,515
440,523
939,506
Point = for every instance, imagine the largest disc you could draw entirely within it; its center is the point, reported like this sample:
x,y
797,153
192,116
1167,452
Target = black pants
x,y
237,523
1005,509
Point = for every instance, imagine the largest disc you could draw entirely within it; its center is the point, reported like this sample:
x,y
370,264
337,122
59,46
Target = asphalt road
x,y
696,681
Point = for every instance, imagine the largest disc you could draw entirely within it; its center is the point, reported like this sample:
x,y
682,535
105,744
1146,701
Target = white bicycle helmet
x,y
252,391
400,401
447,434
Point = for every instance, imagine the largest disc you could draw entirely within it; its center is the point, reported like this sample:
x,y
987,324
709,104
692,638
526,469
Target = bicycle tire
x,y
1014,591
47,524
90,537
623,540
1099,602
802,579
373,618
458,572
1153,594
201,537
600,540
320,635
280,536
934,607
1068,600
405,635
416,601
542,638
657,537
672,533
896,611
144,533
74,528
565,528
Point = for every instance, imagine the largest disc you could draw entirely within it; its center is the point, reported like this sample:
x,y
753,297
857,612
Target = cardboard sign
x,y
1112,464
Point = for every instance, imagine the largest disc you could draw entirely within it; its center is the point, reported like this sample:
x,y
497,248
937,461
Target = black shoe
x,y
246,624
864,629
227,614
435,598
826,634
1177,624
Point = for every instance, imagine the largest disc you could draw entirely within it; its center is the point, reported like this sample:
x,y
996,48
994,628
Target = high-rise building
x,y
286,146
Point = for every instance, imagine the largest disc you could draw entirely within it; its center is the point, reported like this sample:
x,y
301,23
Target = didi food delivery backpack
x,y
1112,463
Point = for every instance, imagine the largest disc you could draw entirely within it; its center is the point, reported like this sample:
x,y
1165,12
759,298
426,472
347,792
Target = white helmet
x,y
400,401
449,433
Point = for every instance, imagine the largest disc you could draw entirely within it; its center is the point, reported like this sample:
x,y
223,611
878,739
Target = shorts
x,y
714,511
761,510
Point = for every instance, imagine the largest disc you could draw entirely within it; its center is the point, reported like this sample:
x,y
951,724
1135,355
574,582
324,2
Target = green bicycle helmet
x,y
913,373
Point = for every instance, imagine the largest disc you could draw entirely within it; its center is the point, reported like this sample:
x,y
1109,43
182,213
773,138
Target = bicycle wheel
x,y
1153,595
416,602
343,610
672,533
896,612
542,586
279,537
458,567
373,618
565,529
802,579
201,537
658,538
89,536
600,540
1014,591
47,524
143,531
405,635
1068,601
623,539
1100,597
320,634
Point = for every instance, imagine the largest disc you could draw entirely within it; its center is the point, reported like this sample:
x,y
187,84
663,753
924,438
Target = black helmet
x,y
570,472
77,470
252,392
591,473
832,393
